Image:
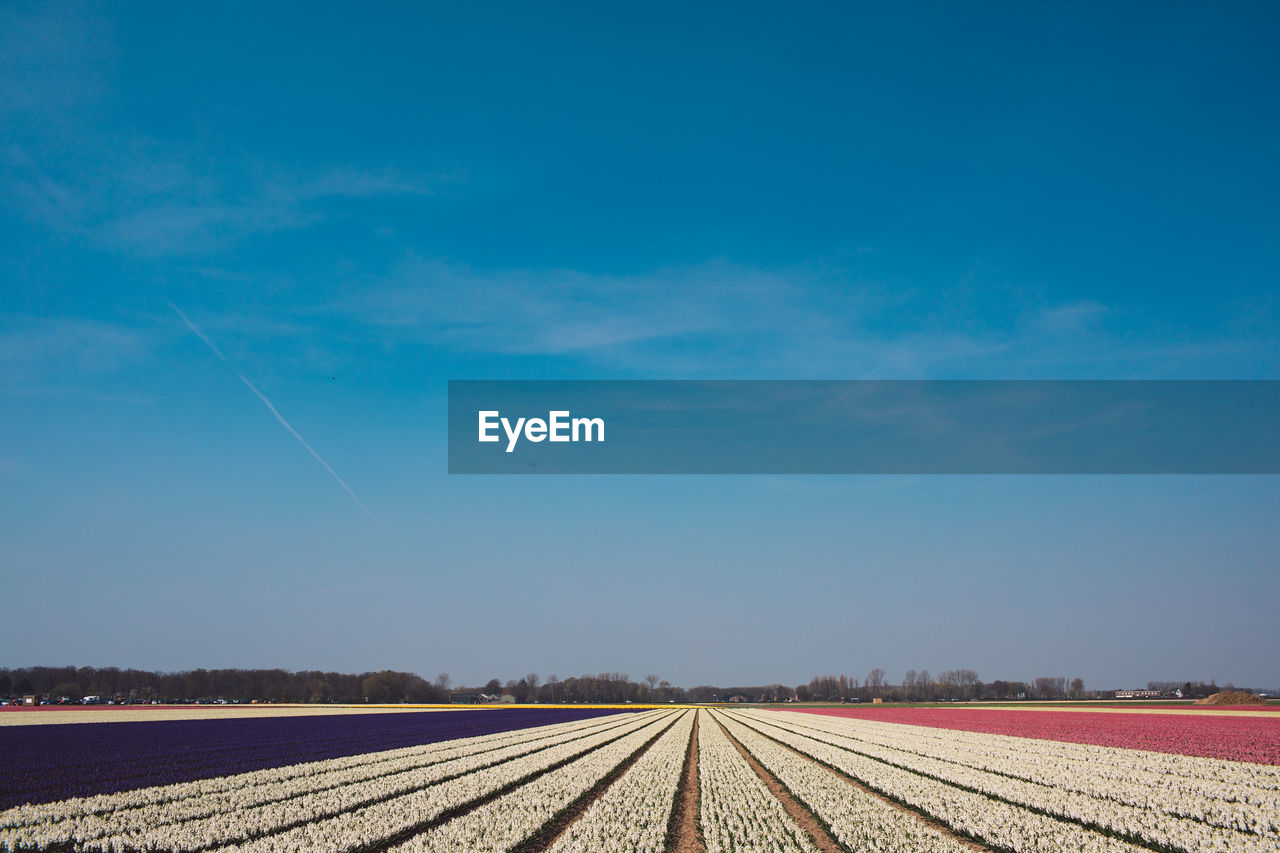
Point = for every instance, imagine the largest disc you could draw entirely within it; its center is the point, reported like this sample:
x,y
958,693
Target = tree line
x,y
952,685
54,683
245,685
388,686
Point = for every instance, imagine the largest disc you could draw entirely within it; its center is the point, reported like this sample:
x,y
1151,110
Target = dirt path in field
x,y
684,834
805,819
918,815
545,837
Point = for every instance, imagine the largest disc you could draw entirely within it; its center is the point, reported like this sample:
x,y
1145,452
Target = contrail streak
x,y
278,416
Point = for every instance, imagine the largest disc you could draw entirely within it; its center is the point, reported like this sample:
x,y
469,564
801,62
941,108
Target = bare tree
x,y
443,681
948,687
875,681
968,683
651,680
1051,687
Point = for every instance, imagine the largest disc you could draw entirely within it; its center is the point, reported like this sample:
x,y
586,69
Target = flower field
x,y
1205,732
569,780
41,763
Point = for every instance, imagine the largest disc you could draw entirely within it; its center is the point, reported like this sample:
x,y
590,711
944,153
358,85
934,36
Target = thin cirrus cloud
x,y
69,163
38,349
150,205
709,319
169,223
724,319
561,311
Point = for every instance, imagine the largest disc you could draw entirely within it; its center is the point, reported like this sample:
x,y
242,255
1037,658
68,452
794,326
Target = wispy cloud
x,y
1072,317
712,319
149,203
276,414
40,349
69,162
565,311
721,319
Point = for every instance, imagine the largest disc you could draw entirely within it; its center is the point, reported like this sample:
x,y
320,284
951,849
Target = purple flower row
x,y
52,762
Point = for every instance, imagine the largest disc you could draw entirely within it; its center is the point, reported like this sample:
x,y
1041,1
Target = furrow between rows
x,y
857,819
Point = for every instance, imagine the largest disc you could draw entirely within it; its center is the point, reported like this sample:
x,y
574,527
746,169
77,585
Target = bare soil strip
x,y
684,832
804,818
923,817
554,828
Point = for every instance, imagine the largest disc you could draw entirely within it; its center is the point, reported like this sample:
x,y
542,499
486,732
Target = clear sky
x,y
355,204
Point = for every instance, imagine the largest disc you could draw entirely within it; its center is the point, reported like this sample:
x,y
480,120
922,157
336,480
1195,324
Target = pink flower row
x,y
1255,739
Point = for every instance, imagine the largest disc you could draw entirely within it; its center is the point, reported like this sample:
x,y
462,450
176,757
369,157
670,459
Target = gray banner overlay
x,y
865,427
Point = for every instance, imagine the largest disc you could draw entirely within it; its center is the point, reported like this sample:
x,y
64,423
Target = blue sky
x,y
355,206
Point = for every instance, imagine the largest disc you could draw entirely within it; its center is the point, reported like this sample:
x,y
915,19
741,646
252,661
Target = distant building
x,y
738,697
473,699
1137,694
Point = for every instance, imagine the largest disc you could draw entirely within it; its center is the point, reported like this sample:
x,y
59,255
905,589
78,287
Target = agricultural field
x,y
1235,734
663,780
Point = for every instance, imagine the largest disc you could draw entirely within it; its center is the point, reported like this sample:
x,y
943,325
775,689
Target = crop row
x,y
408,814
133,829
609,785
1225,795
254,806
738,813
498,826
632,815
1194,767
992,821
1254,738
144,802
49,763
856,819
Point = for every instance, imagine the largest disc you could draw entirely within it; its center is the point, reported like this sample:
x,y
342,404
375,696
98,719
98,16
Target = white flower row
x,y
858,820
1151,826
227,814
27,815
738,813
1115,774
500,825
993,822
632,816
384,821
238,822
